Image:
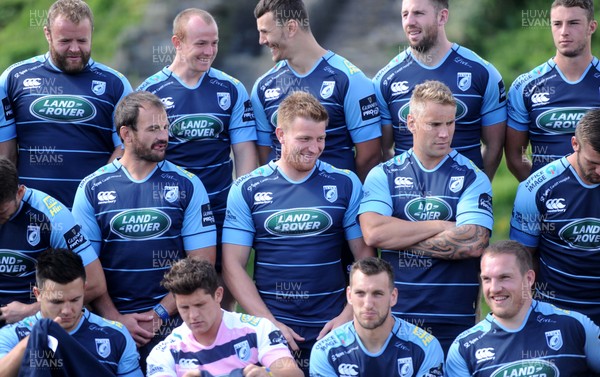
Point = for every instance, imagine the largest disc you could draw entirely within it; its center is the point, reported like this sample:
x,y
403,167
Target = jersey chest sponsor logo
x,y
527,368
461,110
582,234
560,121
298,222
348,370
137,224
15,264
420,209
63,108
195,127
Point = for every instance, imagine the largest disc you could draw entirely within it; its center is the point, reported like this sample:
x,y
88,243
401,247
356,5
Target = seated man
x,y
520,333
375,343
60,285
204,343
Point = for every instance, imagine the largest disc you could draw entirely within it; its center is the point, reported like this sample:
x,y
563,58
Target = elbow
x,y
372,237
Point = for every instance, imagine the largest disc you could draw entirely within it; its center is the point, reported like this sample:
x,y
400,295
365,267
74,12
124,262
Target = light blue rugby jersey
x,y
555,212
408,351
551,342
39,223
548,107
108,341
297,230
344,91
432,292
205,120
475,83
140,228
63,122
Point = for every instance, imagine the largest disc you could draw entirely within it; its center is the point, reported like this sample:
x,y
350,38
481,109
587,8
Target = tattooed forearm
x,y
466,241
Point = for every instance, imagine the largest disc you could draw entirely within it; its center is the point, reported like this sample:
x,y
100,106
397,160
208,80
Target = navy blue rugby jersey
x,y
297,230
39,223
344,91
63,122
551,342
430,290
548,107
556,213
477,87
205,120
140,228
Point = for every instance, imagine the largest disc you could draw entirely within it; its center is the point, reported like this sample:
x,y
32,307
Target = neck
x,y
209,337
435,54
374,339
306,54
428,162
290,172
517,320
573,67
137,168
189,77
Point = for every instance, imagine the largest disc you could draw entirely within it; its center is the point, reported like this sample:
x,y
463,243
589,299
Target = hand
x,y
138,325
290,335
154,325
256,371
16,311
344,317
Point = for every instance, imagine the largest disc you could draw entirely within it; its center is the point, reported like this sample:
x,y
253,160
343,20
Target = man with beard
x,y
209,112
476,84
141,214
546,103
556,216
522,336
58,107
296,212
375,343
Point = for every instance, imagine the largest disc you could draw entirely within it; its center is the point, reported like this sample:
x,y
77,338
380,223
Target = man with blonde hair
x,y
296,213
429,210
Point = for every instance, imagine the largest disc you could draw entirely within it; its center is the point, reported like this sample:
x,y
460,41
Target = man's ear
x,y
279,133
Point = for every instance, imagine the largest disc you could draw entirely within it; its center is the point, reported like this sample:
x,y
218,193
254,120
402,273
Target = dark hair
x,y
190,274
283,11
588,129
128,109
9,181
62,266
587,5
439,4
508,247
373,266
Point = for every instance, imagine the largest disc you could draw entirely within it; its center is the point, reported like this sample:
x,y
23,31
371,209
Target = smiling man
x,y
212,341
58,107
522,334
546,104
143,213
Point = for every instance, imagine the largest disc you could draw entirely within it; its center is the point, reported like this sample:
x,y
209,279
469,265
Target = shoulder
x,y
184,175
23,65
544,175
155,79
107,70
343,65
216,74
524,79
106,169
257,174
266,78
469,337
341,336
471,56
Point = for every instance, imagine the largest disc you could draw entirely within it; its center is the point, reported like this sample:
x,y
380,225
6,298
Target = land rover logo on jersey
x,y
527,368
330,193
274,119
461,110
63,108
405,367
137,224
420,209
195,127
242,350
561,121
582,234
327,89
33,235
298,222
554,339
98,87
103,347
224,100
463,80
15,264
